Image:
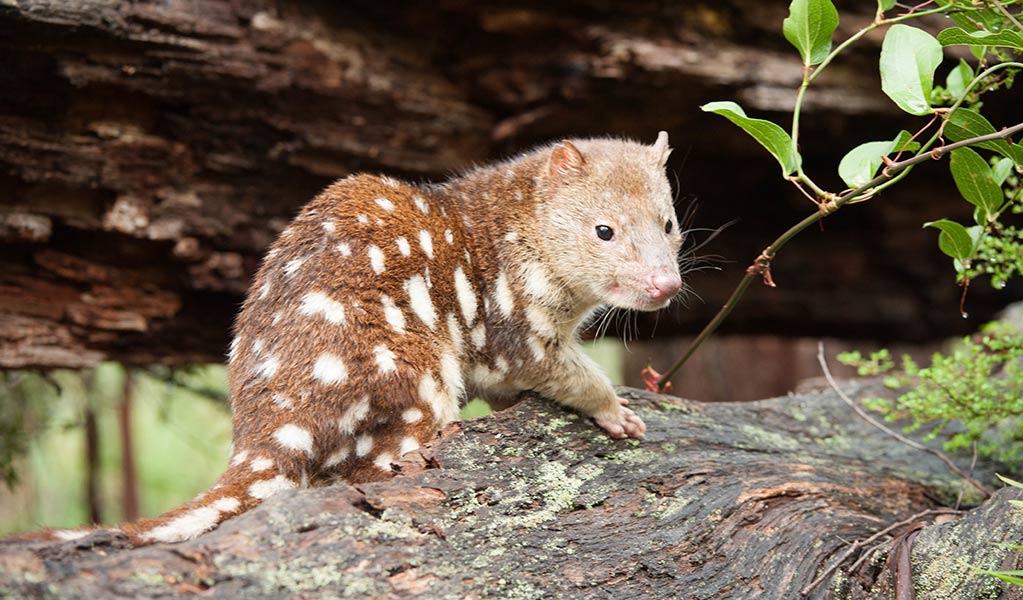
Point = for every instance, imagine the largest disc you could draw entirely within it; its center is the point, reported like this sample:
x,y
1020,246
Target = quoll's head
x,y
612,221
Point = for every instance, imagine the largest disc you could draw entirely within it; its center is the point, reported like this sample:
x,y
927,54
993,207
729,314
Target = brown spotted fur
x,y
534,213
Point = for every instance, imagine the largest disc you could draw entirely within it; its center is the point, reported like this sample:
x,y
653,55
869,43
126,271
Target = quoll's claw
x,y
625,424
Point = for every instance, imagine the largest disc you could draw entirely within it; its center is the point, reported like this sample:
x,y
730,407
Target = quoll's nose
x,y
661,285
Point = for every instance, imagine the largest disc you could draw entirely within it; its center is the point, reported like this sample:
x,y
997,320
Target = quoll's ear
x,y
661,148
566,160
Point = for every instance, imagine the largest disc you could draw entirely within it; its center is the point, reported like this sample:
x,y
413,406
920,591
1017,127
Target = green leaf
x,y
958,78
809,27
953,240
1014,577
966,123
975,182
1001,170
862,162
884,5
1008,481
909,57
1005,39
770,135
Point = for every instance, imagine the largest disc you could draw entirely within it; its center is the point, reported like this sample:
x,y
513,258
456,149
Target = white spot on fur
x,y
449,237
419,299
294,437
501,363
439,402
319,303
451,375
70,534
292,266
336,458
362,219
503,295
383,461
376,259
426,243
261,464
466,296
421,204
344,249
395,318
385,359
390,181
511,236
403,246
239,458
268,487
192,523
363,444
412,415
353,416
232,351
257,346
537,348
408,445
483,376
266,368
329,227
478,336
455,333
276,318
282,401
329,369
264,290
385,204
540,322
536,282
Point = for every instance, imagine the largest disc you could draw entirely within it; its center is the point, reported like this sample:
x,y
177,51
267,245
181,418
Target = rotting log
x,y
151,150
729,500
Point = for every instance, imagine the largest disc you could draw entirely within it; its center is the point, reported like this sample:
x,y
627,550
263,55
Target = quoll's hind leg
x,y
396,415
579,383
371,452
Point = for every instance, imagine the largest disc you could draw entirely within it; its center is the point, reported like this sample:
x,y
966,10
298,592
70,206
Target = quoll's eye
x,y
668,226
605,233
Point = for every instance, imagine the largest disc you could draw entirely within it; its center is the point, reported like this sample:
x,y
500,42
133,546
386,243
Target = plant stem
x,y
759,267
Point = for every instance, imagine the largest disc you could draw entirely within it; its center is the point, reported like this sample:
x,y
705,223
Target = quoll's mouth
x,y
637,297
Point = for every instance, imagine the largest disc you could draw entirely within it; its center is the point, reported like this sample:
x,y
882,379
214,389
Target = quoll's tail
x,y
242,487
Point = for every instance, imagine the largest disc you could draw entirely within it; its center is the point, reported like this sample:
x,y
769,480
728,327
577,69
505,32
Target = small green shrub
x,y
978,384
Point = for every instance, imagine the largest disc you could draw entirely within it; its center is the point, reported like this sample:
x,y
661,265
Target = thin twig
x,y
891,172
861,543
1007,13
911,443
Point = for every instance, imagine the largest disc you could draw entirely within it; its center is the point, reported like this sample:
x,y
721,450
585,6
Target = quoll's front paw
x,y
622,422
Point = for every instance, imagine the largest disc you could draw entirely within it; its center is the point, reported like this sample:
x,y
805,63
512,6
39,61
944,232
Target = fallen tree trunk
x,y
750,500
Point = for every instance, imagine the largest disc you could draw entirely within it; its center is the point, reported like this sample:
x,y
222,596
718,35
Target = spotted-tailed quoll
x,y
385,304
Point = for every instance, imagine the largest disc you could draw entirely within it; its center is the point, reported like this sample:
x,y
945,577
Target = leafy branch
x,y
909,59
761,267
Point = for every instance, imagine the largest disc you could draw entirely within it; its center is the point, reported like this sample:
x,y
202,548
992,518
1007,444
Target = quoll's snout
x,y
662,285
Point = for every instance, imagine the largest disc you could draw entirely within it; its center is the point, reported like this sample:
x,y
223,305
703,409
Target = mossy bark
x,y
748,500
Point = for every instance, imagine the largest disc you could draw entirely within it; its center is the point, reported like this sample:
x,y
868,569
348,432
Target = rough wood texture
x,y
151,150
748,500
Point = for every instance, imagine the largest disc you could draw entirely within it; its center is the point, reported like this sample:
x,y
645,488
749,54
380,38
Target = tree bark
x,y
151,150
731,500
